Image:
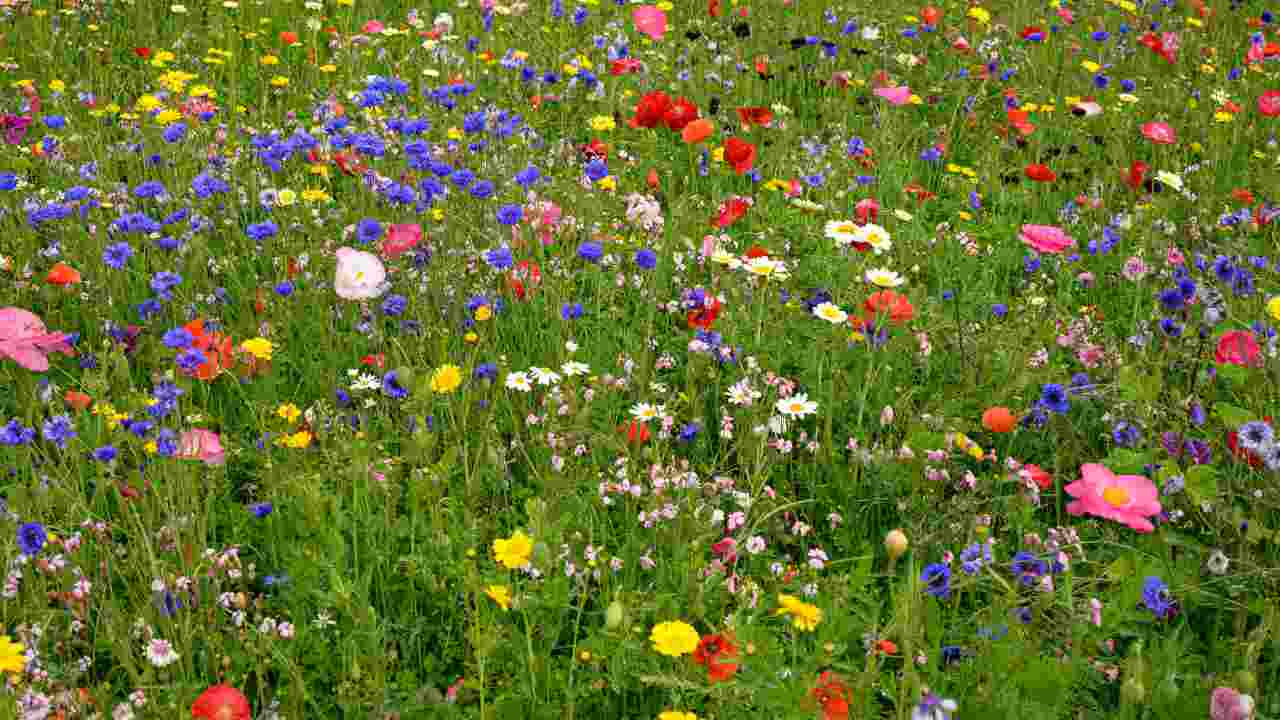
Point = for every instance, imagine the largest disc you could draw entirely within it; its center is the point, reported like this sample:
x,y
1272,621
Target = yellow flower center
x,y
1116,496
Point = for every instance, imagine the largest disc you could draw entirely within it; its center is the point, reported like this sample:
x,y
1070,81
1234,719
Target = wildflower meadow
x,y
588,359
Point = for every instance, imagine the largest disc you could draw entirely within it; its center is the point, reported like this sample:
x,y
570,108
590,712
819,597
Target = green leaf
x,y
1231,416
1124,461
1202,483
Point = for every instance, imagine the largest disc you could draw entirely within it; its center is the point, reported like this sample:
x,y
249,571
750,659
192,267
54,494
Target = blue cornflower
x,y
164,281
58,430
937,580
391,386
597,170
261,509
368,230
284,288
646,259
1156,598
571,311
14,434
190,359
689,432
178,338
1028,568
263,230
1256,436
499,258
1054,398
1000,310
31,538
149,189
591,251
462,178
528,176
394,305
485,371
482,190
116,255
105,454
510,214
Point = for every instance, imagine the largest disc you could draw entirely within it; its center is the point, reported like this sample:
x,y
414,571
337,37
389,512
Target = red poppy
x,y
757,251
711,653
704,317
377,361
1269,103
1163,45
288,37
142,52
652,180
624,66
349,163
999,419
762,65
1033,33
867,210
216,347
887,303
1161,133
1042,479
651,110
637,432
1238,347
62,275
887,647
731,211
1243,195
917,191
77,400
1137,174
1020,121
524,271
832,696
1041,173
697,131
755,116
713,8
595,149
679,114
740,154
931,15
221,702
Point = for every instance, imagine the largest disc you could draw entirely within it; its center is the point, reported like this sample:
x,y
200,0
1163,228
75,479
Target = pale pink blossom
x,y
900,95
1126,499
203,445
24,338
650,20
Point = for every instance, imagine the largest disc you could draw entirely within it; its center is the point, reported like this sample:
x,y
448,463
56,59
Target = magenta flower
x,y
1127,499
1229,704
900,95
24,338
650,20
203,445
1047,239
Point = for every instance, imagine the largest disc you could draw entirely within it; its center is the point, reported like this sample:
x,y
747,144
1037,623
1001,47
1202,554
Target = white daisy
x,y
574,368
544,376
797,406
644,412
842,231
519,381
766,267
830,313
883,277
875,236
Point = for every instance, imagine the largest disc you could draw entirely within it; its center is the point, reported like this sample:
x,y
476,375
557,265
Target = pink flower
x,y
1229,704
24,338
1175,256
650,20
900,95
1048,239
373,27
1160,133
203,445
401,239
1127,499
360,275
1238,347
1269,103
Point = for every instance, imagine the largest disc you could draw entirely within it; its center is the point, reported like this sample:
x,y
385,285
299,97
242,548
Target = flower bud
x,y
895,543
614,616
886,416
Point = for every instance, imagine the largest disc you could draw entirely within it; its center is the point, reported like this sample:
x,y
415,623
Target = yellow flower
x,y
804,616
454,133
315,195
260,348
168,116
270,60
147,103
298,440
513,552
980,14
471,338
437,214
446,379
12,659
607,182
57,86
289,412
328,68
279,81
676,715
484,312
203,91
151,448
500,594
1273,308
674,639
286,197
602,123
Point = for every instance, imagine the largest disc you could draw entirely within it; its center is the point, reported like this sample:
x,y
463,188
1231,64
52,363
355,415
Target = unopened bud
x,y
895,543
614,616
886,416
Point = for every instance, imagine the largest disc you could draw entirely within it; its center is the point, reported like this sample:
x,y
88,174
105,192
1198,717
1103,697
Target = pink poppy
x,y
24,338
1160,133
1048,239
1238,347
1269,103
1230,704
373,27
900,95
1127,499
401,239
203,445
650,20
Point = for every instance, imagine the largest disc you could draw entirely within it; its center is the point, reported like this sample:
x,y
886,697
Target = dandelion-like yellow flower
x,y
500,594
270,60
674,639
484,312
260,348
446,379
602,123
297,441
513,552
804,616
676,715
12,659
289,412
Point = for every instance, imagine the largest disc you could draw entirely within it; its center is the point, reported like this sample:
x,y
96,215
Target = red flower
x,y
1158,45
651,110
755,116
1161,133
523,271
349,163
731,211
918,191
889,304
679,114
142,52
1243,195
888,647
1020,121
832,696
221,702
704,317
1269,103
867,210
624,66
931,15
712,650
1041,173
1033,33
652,180
637,432
1238,347
1042,479
63,275
377,361
757,251
740,154
217,349
713,8
288,37
1137,174
77,400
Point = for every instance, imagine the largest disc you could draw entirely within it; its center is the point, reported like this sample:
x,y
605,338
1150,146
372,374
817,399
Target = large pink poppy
x,y
24,338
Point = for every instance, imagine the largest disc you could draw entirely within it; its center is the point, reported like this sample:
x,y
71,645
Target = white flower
x,y
797,406
519,381
360,275
1218,562
875,236
160,653
574,368
644,412
830,313
842,231
883,277
870,32
544,376
766,267
1170,180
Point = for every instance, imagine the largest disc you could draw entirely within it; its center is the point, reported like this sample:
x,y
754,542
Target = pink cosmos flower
x,y
900,95
1127,499
650,20
24,338
1229,704
1048,239
401,239
1161,133
203,445
1238,347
